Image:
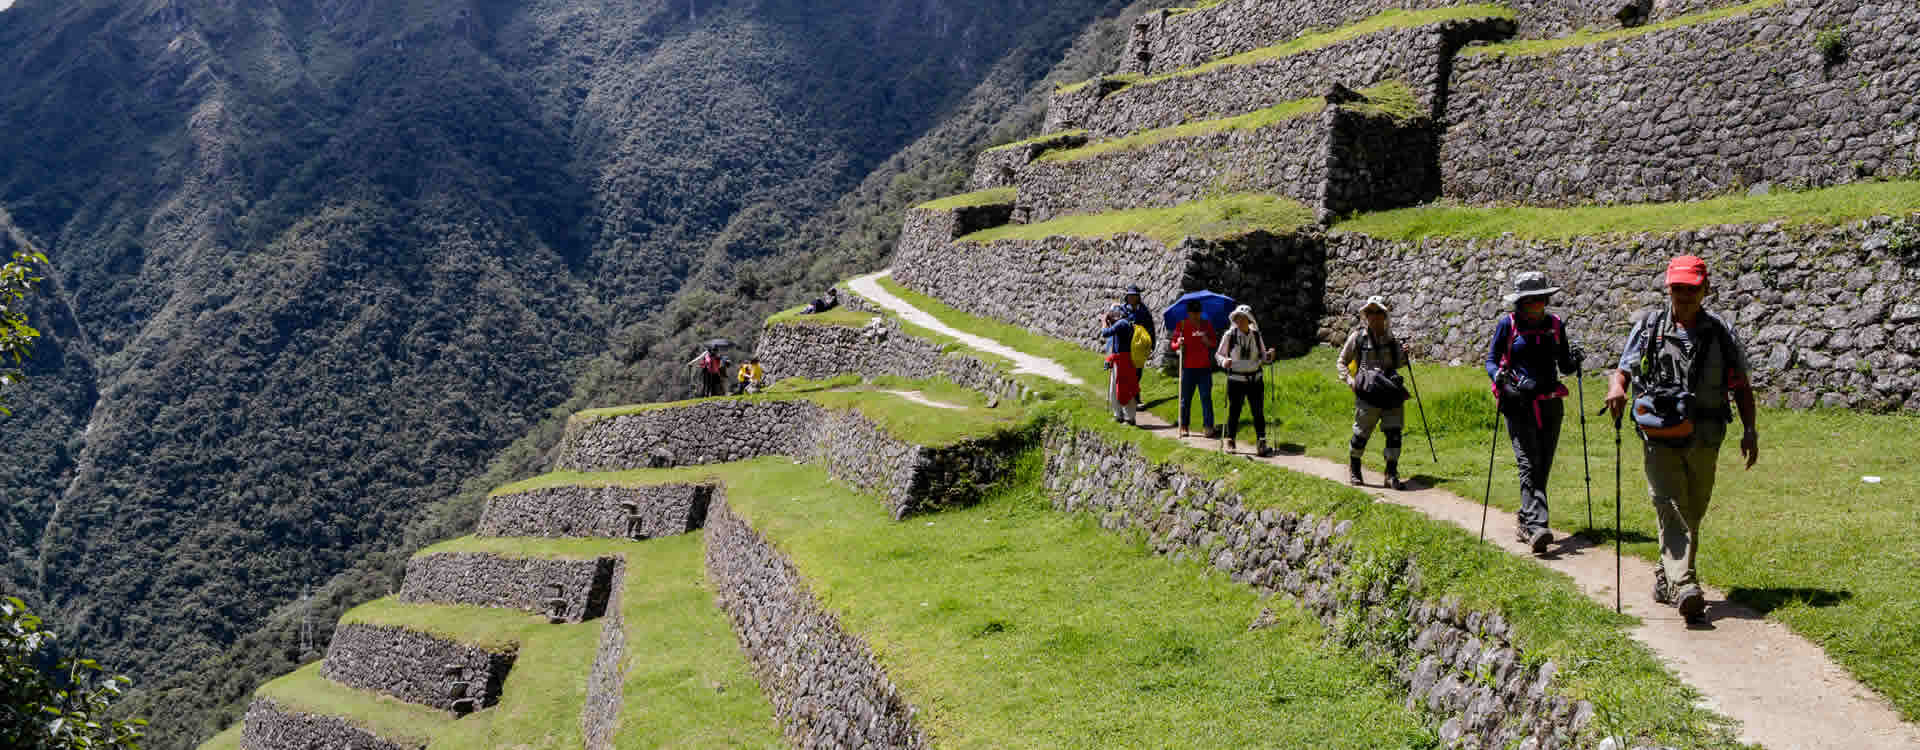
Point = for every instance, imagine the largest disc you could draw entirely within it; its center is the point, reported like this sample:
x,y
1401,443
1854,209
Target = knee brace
x,y
1393,439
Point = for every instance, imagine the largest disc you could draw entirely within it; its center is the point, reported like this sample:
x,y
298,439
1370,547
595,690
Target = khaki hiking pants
x,y
1680,481
1391,422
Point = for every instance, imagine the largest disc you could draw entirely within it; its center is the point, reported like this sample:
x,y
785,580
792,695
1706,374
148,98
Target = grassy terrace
x,y
1389,20
916,423
1229,216
1078,85
1042,138
1392,99
1551,618
1587,37
687,684
227,740
986,197
1823,207
839,316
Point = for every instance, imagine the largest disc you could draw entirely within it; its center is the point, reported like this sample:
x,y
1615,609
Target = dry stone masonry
x,y
417,667
589,511
824,683
999,166
562,590
270,726
606,684
881,348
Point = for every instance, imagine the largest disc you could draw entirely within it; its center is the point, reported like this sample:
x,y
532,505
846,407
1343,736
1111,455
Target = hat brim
x,y
1373,306
1547,292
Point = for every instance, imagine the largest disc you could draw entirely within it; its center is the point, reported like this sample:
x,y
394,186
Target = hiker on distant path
x,y
709,368
1369,365
1528,352
1195,340
1684,362
752,377
1138,313
1123,382
1243,353
824,303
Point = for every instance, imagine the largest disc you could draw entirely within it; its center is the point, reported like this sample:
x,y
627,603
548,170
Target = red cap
x,y
1687,269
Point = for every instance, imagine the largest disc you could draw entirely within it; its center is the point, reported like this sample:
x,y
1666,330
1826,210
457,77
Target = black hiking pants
x,y
1253,393
1534,427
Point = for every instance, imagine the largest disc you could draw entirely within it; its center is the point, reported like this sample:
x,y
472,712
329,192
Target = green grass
x,y
1823,207
1389,20
1042,138
676,475
306,691
539,548
1227,216
986,197
482,627
839,316
1587,37
227,740
915,423
1078,85
1278,113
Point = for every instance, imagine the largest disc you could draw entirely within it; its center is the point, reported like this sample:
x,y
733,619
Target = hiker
x,y
751,379
708,367
1123,383
1242,354
1195,340
1138,313
1369,366
1528,352
1684,362
824,303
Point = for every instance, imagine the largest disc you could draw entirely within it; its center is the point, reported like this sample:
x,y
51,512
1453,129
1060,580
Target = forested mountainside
x,y
317,261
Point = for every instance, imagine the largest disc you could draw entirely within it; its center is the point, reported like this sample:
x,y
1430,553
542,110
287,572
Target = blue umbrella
x,y
1214,307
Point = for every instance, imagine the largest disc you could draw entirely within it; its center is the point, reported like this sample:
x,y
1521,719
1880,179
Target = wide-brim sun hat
x,y
1243,311
1530,284
1375,302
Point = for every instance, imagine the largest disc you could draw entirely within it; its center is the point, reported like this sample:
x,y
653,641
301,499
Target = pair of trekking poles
x,y
1586,465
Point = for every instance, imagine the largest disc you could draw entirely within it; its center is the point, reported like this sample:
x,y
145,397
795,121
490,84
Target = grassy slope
x,y
1586,37
985,197
1213,217
1553,620
923,425
1388,20
227,740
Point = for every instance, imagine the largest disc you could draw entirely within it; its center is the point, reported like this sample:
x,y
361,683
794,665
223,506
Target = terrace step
x,y
999,166
418,667
883,347
272,726
590,510
562,590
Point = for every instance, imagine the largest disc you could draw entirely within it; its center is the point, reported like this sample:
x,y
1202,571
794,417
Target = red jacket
x,y
1195,341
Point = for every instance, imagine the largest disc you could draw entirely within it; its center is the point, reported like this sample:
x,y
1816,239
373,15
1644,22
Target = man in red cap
x,y
1684,364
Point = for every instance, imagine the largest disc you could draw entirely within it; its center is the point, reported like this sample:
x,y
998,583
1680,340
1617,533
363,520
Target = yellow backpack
x,y
1142,345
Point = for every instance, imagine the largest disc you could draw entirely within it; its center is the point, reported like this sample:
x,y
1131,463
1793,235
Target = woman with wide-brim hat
x,y
1528,353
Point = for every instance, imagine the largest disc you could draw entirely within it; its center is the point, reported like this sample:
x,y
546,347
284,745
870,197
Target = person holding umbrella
x,y
1243,353
1528,352
1369,365
1195,339
1123,383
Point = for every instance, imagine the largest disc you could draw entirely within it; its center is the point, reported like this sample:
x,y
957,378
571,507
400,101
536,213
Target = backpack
x,y
1142,346
712,364
1554,332
1250,343
1666,379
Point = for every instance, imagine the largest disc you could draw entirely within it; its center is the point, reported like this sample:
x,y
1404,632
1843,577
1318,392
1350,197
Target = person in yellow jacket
x,y
752,377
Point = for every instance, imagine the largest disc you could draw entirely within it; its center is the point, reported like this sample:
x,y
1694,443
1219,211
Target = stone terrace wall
x,y
270,726
1070,108
1691,112
529,584
824,683
1000,166
882,348
415,667
606,688
662,510
1458,666
1420,57
1828,316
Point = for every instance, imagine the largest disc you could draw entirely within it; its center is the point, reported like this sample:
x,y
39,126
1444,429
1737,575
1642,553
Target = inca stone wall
x,y
270,726
1000,166
881,348
1690,112
600,714
1828,316
1417,56
619,512
824,683
564,590
416,667
1459,666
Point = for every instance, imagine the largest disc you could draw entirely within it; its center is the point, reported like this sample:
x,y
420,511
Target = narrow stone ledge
x,y
606,690
270,726
1000,166
1460,667
587,511
562,590
825,685
879,349
416,667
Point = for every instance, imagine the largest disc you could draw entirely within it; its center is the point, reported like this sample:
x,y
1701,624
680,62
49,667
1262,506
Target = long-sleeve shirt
x,y
1538,351
1119,337
1195,340
1241,352
1380,352
1142,317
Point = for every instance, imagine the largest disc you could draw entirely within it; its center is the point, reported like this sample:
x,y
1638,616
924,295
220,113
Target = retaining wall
x,y
1459,666
1000,166
270,726
881,348
1337,161
1419,57
564,590
415,667
606,689
1827,315
824,683
1691,112
619,512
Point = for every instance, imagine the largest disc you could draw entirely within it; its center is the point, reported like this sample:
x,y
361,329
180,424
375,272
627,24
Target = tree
x,y
16,336
51,702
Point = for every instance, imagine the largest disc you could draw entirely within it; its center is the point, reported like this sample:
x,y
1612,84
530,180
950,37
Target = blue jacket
x,y
1142,317
1119,337
1539,353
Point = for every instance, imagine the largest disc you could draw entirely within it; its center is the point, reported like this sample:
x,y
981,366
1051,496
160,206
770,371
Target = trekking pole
x,y
1616,510
1579,384
1424,429
1491,444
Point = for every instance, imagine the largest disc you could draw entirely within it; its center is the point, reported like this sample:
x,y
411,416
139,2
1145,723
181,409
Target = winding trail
x,y
1782,688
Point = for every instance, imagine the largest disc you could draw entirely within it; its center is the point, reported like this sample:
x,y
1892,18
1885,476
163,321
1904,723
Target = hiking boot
x,y
1231,446
1662,593
1213,433
1693,604
1183,431
1132,423
1393,476
1261,450
1537,539
1353,472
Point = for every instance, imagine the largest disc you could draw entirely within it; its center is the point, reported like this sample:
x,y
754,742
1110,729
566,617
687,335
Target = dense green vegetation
x,y
1226,216
51,697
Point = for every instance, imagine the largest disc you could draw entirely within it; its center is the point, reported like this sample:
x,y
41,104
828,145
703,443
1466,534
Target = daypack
x,y
1666,380
1380,389
1553,333
1245,353
711,364
1142,346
